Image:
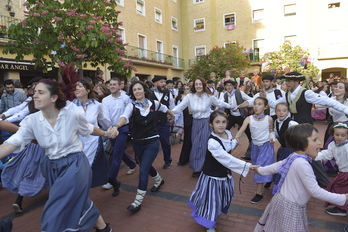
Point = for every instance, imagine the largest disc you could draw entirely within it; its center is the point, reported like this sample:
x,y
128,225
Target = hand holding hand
x,y
112,132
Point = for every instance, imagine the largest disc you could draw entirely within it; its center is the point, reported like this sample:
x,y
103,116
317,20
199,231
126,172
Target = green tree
x,y
69,32
296,58
218,60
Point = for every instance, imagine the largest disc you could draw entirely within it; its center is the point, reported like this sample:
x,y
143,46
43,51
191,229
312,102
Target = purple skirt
x,y
262,155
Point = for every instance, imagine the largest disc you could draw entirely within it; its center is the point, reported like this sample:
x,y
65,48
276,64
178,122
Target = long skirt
x,y
200,135
211,196
100,166
22,174
68,207
338,185
282,215
262,155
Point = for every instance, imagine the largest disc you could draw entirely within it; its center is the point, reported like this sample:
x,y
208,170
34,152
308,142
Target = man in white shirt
x,y
114,106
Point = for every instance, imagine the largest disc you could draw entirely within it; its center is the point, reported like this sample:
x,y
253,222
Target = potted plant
x,y
3,31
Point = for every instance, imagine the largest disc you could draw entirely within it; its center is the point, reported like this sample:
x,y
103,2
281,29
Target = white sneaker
x,y
107,186
211,230
131,171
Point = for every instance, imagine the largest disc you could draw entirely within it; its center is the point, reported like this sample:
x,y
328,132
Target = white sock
x,y
158,180
139,198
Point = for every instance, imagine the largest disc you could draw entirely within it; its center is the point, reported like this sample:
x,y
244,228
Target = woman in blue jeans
x,y
145,138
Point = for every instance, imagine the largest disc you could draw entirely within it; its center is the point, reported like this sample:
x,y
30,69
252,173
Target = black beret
x,y
230,81
157,78
35,79
268,77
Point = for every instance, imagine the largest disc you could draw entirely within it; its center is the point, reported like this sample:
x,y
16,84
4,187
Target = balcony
x,y
5,23
157,58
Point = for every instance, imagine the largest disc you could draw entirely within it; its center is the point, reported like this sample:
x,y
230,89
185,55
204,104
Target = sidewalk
x,y
167,210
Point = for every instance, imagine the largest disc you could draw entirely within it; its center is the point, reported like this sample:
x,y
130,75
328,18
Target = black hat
x,y
169,81
295,76
35,79
157,78
268,77
210,81
230,81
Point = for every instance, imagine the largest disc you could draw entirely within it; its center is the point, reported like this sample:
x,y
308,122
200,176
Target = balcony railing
x,y
5,23
136,53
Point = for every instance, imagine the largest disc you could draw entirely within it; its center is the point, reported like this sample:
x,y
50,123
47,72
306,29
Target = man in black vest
x,y
162,94
235,97
300,102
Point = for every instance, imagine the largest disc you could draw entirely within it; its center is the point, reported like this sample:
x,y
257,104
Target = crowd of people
x,y
91,113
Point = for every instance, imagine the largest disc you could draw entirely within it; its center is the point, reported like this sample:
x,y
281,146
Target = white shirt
x,y
312,98
17,117
269,94
233,101
159,96
300,183
226,159
339,153
338,116
57,142
199,105
114,107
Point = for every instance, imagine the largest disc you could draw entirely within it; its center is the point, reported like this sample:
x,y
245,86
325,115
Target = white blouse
x,y
199,105
339,153
338,116
57,141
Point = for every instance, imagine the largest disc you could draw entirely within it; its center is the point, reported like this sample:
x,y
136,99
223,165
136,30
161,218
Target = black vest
x,y
143,127
243,112
303,108
211,166
161,117
281,131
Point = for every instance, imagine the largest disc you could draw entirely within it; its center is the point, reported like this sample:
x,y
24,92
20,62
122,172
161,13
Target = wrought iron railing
x,y
136,53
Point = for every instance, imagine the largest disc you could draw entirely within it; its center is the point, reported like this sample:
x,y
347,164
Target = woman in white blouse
x,y
66,168
199,101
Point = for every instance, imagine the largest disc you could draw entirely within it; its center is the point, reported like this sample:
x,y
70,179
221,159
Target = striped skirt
x,y
339,185
68,207
262,155
200,135
22,175
282,215
211,196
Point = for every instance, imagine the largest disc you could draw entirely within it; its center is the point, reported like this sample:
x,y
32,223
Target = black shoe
x,y
180,164
245,158
196,174
106,229
155,189
134,209
165,166
181,141
257,198
335,211
116,185
267,185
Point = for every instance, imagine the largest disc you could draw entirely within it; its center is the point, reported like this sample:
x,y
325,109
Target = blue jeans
x,y
164,133
146,154
119,153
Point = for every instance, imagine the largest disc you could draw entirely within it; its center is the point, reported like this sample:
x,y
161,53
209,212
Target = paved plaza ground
x,y
167,210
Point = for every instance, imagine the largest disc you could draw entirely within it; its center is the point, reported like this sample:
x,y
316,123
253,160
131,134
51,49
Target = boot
x,y
116,185
136,205
158,183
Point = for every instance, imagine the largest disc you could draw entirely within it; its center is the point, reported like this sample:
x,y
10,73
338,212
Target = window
x,y
141,7
334,5
120,2
175,53
158,15
159,50
122,34
174,24
258,15
199,50
259,48
229,43
291,38
199,24
197,1
142,45
290,10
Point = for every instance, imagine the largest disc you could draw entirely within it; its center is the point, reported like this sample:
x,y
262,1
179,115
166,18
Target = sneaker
x,y
106,229
267,185
107,186
131,171
335,211
17,208
257,198
210,230
165,166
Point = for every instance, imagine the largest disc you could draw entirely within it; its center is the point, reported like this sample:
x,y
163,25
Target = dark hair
x,y
205,89
216,113
87,85
265,101
296,137
145,86
282,104
96,81
345,90
177,83
332,129
8,82
149,84
55,89
118,80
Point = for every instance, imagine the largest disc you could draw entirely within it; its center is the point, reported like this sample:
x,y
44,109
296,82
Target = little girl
x,y
287,209
337,149
281,124
214,190
262,134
